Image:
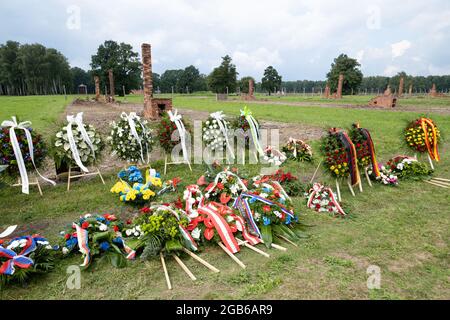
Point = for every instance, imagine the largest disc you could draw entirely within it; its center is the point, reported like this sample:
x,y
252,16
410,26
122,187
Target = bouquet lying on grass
x,y
385,176
323,199
405,167
24,257
298,150
160,229
132,188
97,236
290,183
273,156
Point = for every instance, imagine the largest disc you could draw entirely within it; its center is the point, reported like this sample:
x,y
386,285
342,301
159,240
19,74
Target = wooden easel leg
x,y
360,184
351,188
184,267
232,256
431,162
315,173
165,165
39,187
338,190
206,264
101,177
367,177
189,164
68,178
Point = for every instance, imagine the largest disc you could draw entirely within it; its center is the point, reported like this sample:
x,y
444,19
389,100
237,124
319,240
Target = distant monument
x,y
387,100
400,86
327,91
251,90
410,89
112,91
340,85
153,108
97,88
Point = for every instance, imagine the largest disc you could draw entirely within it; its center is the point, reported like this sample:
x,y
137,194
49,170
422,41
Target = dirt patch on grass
x,y
413,260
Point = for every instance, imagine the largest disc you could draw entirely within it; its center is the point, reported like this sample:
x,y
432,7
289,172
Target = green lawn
x,y
404,230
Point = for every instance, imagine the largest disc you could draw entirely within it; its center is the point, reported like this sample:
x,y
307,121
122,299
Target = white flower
x,y
263,195
102,227
42,243
65,250
88,215
13,245
196,233
128,232
136,234
48,247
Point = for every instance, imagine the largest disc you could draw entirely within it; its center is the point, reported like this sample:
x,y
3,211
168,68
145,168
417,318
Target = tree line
x,y
33,69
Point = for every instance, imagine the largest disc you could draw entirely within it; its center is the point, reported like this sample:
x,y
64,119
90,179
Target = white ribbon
x,y
254,129
8,231
18,153
219,116
226,173
176,118
78,120
132,119
294,142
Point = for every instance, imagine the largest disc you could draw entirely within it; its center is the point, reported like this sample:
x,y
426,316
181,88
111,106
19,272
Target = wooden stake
x,y
166,274
436,184
101,177
184,267
441,179
177,162
315,173
367,177
441,182
232,256
338,190
203,262
287,240
68,178
276,246
36,183
245,243
431,161
351,188
82,175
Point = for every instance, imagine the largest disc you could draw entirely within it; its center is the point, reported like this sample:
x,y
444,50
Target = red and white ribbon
x,y
318,188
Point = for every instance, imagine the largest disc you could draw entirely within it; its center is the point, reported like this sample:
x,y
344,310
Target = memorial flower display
x,y
215,131
422,135
298,150
405,167
323,199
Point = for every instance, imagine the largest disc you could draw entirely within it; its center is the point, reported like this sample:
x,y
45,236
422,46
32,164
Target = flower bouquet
x,y
23,257
298,150
246,122
7,155
224,186
98,235
290,183
160,229
215,132
166,131
340,155
77,143
323,199
405,167
386,176
422,135
268,214
365,150
131,187
273,156
131,138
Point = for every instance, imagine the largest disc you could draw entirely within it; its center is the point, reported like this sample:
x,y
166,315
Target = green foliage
x,y
223,77
243,84
350,69
271,81
266,233
122,60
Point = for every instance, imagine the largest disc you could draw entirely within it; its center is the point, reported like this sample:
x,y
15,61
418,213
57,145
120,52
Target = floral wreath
x,y
422,135
298,150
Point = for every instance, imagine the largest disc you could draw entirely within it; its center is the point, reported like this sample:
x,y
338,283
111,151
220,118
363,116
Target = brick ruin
x,y
435,94
387,100
153,108
338,93
97,88
327,91
112,90
400,86
410,89
251,91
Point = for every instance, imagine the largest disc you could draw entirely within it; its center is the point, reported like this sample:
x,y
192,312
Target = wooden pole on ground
x,y
351,188
184,267
315,173
203,262
287,240
232,256
338,190
437,184
367,177
166,274
431,161
245,243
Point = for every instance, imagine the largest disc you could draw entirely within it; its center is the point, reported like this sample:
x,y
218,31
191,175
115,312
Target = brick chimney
x,y
340,85
97,88
147,72
400,86
112,91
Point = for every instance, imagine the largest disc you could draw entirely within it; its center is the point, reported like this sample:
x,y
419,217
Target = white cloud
x,y
390,71
399,48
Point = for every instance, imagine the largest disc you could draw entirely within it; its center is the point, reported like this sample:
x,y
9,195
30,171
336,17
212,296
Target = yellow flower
x,y
332,167
131,195
156,182
345,164
118,187
147,194
336,171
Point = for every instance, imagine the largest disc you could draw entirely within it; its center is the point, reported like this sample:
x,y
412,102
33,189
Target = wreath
x,y
298,150
165,130
405,167
340,155
365,149
88,154
213,132
422,135
7,157
131,138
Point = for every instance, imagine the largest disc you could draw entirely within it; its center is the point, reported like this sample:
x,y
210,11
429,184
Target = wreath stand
x,y
175,162
184,267
82,175
367,177
34,183
350,187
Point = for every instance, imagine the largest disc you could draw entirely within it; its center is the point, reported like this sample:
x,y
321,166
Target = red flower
x,y
209,233
85,225
1,241
179,204
109,217
220,186
224,198
145,210
266,208
74,235
116,228
317,206
67,236
129,221
233,228
208,223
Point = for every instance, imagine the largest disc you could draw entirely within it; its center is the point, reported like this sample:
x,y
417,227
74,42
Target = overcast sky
x,y
299,38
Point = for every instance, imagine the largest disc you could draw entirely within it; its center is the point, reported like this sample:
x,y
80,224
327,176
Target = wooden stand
x,y
166,274
35,183
184,267
338,190
253,248
203,262
177,162
439,182
83,174
431,162
315,173
232,256
367,177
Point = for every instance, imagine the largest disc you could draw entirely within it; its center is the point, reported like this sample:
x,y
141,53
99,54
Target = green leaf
x,y
266,232
117,260
173,245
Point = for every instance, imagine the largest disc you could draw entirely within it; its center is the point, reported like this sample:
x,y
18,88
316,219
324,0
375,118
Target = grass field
x,y
404,230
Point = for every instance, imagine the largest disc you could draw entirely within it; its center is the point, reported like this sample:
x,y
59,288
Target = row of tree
x,y
32,69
